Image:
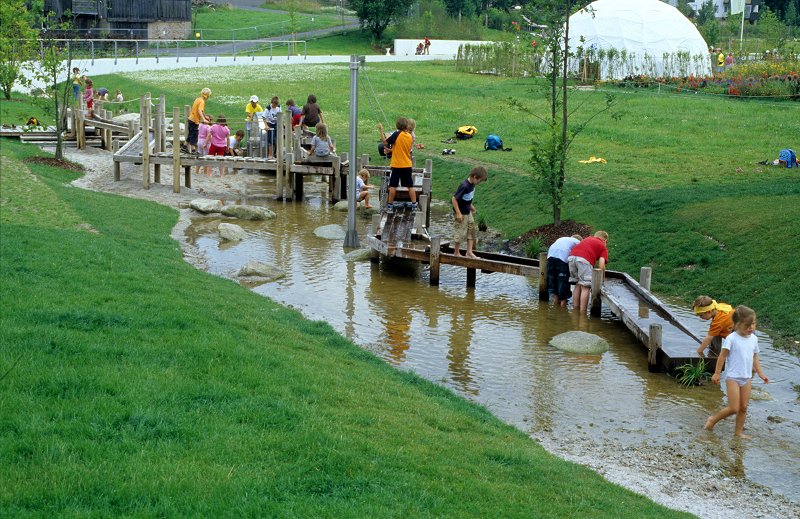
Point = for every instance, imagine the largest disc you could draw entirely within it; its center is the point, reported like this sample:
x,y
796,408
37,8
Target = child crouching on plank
x,y
362,188
740,357
721,326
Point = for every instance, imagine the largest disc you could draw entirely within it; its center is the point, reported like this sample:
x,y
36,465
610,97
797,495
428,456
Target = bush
x,y
533,248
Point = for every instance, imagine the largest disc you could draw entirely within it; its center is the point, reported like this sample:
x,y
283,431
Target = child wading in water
x,y
740,353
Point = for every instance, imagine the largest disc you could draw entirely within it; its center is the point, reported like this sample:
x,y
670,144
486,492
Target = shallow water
x,y
490,344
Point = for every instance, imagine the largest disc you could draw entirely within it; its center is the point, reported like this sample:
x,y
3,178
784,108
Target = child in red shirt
x,y
589,252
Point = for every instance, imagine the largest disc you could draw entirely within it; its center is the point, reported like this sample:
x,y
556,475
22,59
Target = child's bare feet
x,y
368,207
743,436
471,255
709,425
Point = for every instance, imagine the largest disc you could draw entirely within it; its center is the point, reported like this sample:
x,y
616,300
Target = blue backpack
x,y
494,142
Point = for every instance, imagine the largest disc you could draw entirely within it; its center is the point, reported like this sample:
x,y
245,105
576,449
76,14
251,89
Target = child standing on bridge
x,y
203,144
740,350
88,96
721,315
462,205
558,268
401,164
219,140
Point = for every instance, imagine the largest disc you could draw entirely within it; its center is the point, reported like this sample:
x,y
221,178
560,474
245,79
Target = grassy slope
x,y
137,385
219,23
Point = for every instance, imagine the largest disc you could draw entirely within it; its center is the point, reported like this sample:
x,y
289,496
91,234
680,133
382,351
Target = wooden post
x,y
436,250
471,275
162,108
374,255
117,172
544,294
131,130
279,154
186,110
597,286
645,276
187,174
653,346
176,150
287,172
420,223
145,125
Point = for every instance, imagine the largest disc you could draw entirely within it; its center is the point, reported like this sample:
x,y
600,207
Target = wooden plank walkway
x,y
668,342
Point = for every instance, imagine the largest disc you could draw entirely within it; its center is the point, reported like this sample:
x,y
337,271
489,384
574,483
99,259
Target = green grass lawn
x,y
132,384
240,24
681,191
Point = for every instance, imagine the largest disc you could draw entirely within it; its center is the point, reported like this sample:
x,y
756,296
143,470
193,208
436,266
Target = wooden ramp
x,y
669,343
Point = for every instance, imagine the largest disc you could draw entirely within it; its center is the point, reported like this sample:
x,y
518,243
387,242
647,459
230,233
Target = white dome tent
x,y
632,37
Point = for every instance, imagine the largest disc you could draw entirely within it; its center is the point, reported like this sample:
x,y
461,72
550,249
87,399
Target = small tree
x,y
550,150
17,43
52,67
377,15
708,11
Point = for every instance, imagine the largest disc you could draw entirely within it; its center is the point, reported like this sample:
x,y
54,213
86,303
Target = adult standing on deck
x,y
582,259
196,116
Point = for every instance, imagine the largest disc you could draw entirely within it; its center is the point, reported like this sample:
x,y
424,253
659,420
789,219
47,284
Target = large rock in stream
x,y
330,232
231,232
579,342
261,271
248,212
205,205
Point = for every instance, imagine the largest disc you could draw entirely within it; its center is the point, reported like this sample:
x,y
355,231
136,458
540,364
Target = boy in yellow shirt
x,y
721,326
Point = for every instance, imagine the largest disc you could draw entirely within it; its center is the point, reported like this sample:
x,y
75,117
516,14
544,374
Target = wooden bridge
x,y
292,164
669,343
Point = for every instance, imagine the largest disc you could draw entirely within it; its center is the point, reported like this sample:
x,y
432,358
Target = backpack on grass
x,y
466,132
494,142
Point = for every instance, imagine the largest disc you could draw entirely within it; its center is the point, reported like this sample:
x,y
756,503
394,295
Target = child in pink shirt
x,y
219,140
204,144
88,96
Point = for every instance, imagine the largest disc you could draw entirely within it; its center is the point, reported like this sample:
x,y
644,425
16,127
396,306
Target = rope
x,y
377,102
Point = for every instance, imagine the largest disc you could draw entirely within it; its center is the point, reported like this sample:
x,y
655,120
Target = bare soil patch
x,y
66,164
547,234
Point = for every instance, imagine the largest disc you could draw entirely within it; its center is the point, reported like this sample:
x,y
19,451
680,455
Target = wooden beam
x,y
471,275
436,250
145,125
654,345
544,294
176,150
597,287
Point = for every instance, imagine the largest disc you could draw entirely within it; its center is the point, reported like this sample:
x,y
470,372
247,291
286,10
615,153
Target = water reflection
x,y
490,344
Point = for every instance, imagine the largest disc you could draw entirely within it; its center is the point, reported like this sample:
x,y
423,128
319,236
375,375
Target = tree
x,y
52,67
550,150
459,8
708,11
377,15
17,43
792,14
685,9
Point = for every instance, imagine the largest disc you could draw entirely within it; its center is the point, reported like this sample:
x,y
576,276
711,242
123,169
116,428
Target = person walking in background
x,y
721,315
427,46
589,252
197,115
740,358
558,268
729,60
465,230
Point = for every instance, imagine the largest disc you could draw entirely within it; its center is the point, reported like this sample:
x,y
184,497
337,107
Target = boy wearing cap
x,y
251,109
721,326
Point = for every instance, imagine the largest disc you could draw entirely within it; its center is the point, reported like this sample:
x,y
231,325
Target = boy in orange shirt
x,y
400,143
721,326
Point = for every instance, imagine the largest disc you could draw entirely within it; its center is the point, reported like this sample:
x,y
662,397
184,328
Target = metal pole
x,y
351,237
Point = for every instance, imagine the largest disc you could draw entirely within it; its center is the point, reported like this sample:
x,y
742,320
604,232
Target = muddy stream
x,y
490,344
